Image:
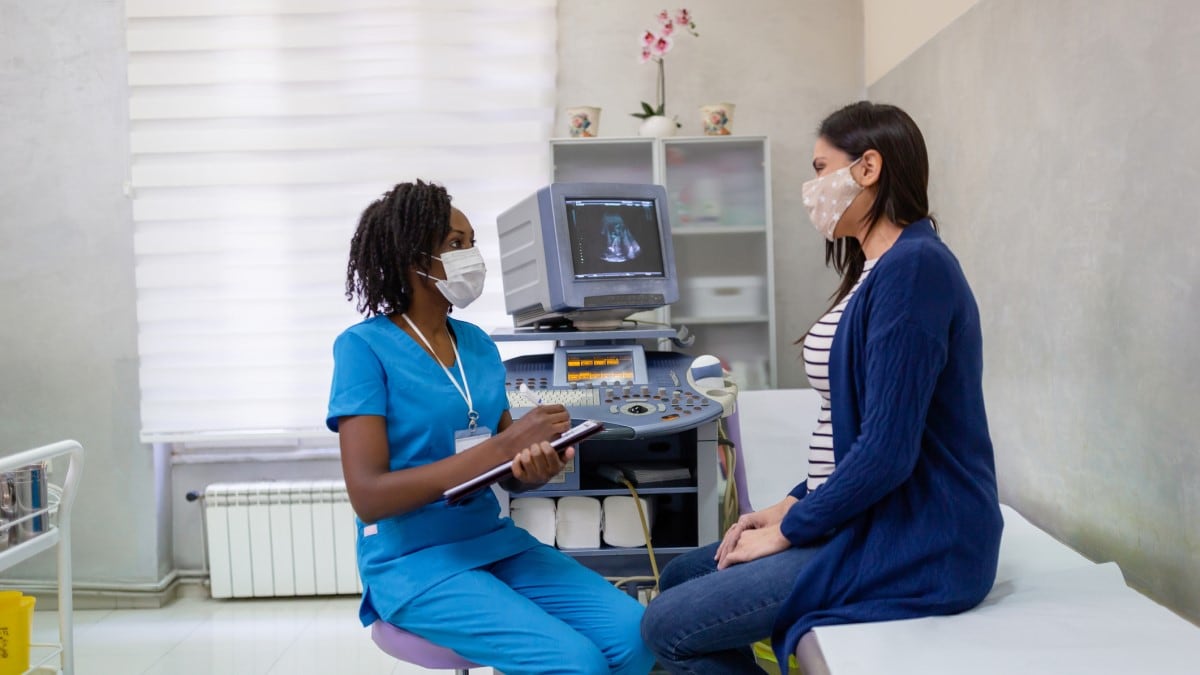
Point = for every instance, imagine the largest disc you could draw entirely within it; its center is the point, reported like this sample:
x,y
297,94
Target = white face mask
x,y
828,197
465,273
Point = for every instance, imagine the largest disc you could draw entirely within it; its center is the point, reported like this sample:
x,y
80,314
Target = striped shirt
x,y
816,364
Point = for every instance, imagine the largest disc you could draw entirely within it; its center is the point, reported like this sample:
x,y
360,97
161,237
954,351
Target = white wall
x,y
68,351
786,64
1059,139
894,29
1062,139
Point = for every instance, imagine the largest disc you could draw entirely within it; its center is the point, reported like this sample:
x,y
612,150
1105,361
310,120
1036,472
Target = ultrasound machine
x,y
577,259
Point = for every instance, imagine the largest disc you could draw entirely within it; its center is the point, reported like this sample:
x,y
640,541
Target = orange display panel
x,y
598,367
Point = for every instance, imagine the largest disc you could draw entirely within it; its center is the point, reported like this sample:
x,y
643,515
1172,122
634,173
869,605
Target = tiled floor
x,y
199,636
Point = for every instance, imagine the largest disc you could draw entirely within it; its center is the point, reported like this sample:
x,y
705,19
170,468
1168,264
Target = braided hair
x,y
396,233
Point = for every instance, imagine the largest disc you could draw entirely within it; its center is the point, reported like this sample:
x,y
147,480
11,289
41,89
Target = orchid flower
x,y
684,18
654,46
662,45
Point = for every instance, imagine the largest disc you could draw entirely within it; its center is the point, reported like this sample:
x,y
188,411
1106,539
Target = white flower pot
x,y
657,126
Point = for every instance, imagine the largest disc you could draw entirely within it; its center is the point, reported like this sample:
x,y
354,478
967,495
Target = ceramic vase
x,y
657,126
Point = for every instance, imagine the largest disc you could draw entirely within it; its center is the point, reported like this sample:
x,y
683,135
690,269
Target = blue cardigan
x,y
909,523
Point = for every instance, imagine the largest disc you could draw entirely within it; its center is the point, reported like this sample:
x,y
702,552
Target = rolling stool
x,y
411,648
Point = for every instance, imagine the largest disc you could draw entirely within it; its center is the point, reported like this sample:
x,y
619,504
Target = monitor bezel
x,y
574,289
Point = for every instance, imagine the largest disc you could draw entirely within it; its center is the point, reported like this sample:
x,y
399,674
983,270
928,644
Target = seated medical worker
x,y
419,404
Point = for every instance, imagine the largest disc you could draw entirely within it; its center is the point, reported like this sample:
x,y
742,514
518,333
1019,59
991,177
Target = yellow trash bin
x,y
16,624
765,657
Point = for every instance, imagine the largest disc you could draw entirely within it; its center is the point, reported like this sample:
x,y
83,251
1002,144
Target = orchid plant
x,y
655,45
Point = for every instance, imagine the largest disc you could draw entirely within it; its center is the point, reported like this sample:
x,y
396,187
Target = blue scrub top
x,y
380,370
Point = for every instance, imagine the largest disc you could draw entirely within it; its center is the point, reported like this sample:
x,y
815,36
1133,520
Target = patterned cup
x,y
583,121
717,119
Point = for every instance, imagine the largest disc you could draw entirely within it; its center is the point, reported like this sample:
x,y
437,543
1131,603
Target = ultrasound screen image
x,y
614,238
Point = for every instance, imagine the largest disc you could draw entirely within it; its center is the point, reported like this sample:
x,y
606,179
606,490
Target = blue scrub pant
x,y
537,612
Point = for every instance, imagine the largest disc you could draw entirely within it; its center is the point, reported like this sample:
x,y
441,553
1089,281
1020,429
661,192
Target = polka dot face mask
x,y
828,197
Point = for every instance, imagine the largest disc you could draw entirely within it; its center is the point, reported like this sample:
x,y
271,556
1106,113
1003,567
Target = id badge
x,y
465,439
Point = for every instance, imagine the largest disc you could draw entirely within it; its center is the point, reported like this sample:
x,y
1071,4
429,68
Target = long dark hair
x,y
396,232
903,187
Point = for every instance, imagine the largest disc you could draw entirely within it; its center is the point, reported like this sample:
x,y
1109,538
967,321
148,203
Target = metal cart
x,y
54,528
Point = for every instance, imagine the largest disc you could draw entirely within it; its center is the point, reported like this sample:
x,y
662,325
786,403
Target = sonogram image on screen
x,y
614,238
622,246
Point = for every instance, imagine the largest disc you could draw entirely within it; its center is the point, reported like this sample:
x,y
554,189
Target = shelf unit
x,y
686,510
58,533
719,189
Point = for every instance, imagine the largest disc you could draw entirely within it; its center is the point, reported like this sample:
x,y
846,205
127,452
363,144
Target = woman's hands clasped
x,y
754,535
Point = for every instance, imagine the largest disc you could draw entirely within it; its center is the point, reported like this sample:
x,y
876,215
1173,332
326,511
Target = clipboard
x,y
576,434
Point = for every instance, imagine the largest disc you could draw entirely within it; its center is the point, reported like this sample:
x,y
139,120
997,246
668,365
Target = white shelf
x,y
603,140
732,139
718,320
599,140
700,230
719,200
27,549
40,656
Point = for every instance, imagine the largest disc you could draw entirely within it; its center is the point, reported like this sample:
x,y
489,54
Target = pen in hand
x,y
535,401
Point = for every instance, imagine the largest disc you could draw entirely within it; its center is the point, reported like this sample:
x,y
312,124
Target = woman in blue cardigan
x,y
899,515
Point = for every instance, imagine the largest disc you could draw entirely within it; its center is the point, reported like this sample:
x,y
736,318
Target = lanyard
x,y
465,389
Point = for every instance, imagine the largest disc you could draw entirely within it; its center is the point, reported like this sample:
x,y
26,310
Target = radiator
x,y
280,539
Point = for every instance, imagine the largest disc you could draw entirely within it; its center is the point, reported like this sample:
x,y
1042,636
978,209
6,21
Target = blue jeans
x,y
705,620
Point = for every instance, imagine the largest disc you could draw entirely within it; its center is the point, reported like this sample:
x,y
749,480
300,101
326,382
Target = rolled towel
x,y
535,515
578,522
622,525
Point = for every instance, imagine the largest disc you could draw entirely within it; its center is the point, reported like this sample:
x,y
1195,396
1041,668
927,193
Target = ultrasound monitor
x,y
587,254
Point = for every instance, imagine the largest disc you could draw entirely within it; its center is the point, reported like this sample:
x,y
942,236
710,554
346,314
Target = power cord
x,y
730,510
621,581
645,530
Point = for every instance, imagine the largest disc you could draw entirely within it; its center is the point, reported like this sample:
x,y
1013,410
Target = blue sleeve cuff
x,y
793,528
800,490
800,528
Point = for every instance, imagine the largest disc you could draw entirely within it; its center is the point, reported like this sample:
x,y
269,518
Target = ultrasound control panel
x,y
635,393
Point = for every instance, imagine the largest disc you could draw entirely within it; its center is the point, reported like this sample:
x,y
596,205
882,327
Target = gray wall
x,y
784,63
1063,140
68,341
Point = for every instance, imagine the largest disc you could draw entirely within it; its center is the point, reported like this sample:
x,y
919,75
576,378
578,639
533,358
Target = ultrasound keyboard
x,y
652,399
570,398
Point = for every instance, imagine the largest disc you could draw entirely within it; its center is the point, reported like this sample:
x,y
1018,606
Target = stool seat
x,y
414,649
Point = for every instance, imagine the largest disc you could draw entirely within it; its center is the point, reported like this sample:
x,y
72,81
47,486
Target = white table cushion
x,y
1084,621
1026,550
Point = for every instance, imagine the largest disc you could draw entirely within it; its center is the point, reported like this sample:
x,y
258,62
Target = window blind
x,y
260,129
